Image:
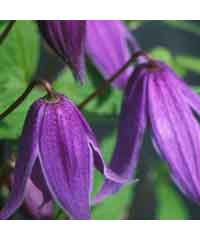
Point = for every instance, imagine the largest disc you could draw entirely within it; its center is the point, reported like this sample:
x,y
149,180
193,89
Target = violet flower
x,y
57,150
107,47
157,96
67,39
106,42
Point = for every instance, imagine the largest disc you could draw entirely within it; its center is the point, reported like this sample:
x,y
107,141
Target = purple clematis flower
x,y
57,150
156,96
67,39
107,47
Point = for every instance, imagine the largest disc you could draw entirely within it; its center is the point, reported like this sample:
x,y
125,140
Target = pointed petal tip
x,y
109,188
67,39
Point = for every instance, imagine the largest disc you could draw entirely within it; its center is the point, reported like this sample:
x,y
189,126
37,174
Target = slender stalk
x,y
45,84
5,32
107,83
19,100
50,92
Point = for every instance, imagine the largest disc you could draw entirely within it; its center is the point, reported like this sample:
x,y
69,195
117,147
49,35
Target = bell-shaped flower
x,y
156,97
58,151
67,39
107,47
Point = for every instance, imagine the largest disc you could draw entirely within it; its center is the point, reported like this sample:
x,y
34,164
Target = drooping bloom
x,y
67,39
156,96
106,43
57,150
107,47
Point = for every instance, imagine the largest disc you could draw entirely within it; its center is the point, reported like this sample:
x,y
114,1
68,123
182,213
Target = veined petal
x,y
96,154
176,133
132,124
67,39
106,45
28,151
191,97
65,158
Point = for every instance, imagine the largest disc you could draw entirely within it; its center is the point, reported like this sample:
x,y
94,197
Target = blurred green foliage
x,y
19,56
19,59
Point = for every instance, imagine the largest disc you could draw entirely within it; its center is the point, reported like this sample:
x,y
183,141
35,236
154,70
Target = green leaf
x,y
189,62
19,52
170,204
19,55
115,206
134,24
188,26
67,85
77,93
162,54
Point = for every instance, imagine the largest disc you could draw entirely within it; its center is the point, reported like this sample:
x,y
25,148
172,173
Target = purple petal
x,y
28,151
176,132
132,124
35,204
38,200
191,97
65,158
102,168
67,39
96,154
107,46
38,180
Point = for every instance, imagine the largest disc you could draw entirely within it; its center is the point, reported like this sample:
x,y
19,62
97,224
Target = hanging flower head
x,y
67,39
57,151
157,96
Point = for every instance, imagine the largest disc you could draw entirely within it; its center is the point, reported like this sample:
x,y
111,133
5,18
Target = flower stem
x,y
51,95
45,84
19,100
107,83
50,92
5,32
